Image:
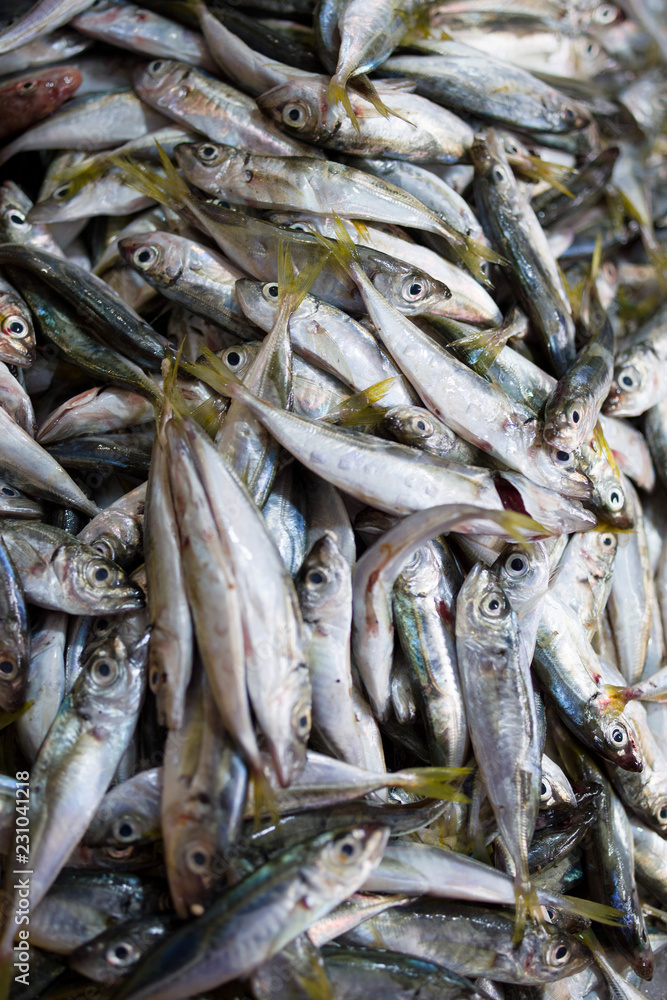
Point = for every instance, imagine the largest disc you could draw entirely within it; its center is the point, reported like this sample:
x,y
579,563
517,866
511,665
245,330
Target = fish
x,y
29,99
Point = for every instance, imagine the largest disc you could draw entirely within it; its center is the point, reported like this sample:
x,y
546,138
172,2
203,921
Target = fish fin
x,y
170,190
372,95
618,696
599,912
343,251
337,94
361,228
602,444
264,799
360,408
432,782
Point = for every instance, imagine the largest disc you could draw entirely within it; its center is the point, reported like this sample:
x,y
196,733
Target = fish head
x,y
111,679
598,552
258,300
14,666
421,573
42,92
203,162
299,106
95,584
324,585
558,954
17,336
621,745
346,858
563,427
13,503
637,383
158,79
563,472
655,811
490,161
157,256
110,956
14,207
408,288
195,866
485,606
523,571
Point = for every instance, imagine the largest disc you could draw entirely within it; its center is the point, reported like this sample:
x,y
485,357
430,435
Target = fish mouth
x,y
13,353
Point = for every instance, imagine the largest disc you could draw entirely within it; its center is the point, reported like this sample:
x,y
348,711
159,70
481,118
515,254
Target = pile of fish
x,y
333,511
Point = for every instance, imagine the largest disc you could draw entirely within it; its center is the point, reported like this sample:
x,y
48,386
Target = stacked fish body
x,y
333,458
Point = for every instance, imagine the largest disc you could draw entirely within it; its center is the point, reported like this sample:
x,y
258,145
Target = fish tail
x,y
541,170
481,349
371,94
293,286
338,95
210,415
599,912
527,906
432,782
343,251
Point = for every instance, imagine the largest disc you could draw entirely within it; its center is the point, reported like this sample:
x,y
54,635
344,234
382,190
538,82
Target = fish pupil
x,y
199,858
614,497
122,951
144,256
8,491
233,358
17,219
663,813
617,736
347,850
294,114
562,456
575,416
16,327
543,789
561,952
494,605
316,577
273,291
6,667
125,830
421,425
101,574
415,289
627,381
517,564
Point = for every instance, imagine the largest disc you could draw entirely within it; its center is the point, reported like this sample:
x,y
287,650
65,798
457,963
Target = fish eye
x,y
516,565
592,49
346,849
144,257
61,193
197,859
270,291
156,67
301,721
26,87
662,813
494,605
7,491
9,667
104,671
16,326
546,792
154,680
413,289
17,218
570,113
123,953
295,114
98,574
558,954
298,227
421,425
124,830
498,174
618,735
629,378
315,576
207,152
607,540
101,626
615,499
233,358
606,13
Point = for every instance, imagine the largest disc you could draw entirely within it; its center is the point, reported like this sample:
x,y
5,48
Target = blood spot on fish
x,y
509,495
